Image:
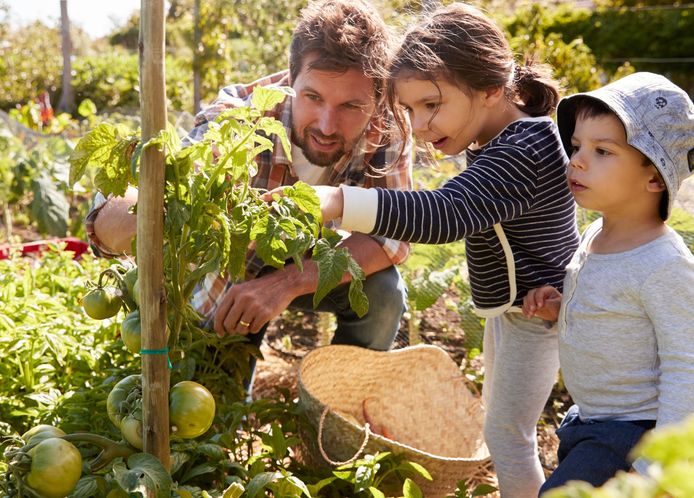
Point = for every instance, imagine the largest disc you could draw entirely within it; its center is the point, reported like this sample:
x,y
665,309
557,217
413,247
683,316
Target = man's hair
x,y
341,35
587,108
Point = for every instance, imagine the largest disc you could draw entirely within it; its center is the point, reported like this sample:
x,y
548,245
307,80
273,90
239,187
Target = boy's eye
x,y
431,106
602,152
574,149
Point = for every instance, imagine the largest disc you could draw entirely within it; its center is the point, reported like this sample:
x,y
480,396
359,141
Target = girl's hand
x,y
542,302
331,200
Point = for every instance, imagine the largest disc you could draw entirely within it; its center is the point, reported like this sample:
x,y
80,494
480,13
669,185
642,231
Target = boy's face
x,y
607,174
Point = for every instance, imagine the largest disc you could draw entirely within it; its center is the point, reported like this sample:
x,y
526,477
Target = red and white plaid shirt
x,y
275,170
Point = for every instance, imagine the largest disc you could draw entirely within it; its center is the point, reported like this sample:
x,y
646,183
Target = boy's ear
x,y
656,184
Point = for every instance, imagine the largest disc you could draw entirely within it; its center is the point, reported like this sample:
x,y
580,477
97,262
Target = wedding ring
x,y
244,324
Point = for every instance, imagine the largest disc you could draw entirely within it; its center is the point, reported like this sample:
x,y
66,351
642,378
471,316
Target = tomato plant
x,y
191,409
56,466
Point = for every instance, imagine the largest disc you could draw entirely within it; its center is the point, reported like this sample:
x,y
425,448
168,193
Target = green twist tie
x,y
159,351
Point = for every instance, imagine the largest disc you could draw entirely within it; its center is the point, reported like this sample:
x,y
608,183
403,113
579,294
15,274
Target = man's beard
x,y
318,158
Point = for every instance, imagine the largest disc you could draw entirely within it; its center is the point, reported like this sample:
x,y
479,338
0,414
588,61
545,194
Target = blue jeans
x,y
376,330
592,450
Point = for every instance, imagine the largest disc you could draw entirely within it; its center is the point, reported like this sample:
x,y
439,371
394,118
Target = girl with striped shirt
x,y
454,77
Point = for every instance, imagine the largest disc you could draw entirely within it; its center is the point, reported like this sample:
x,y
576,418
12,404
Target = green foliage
x,y
111,81
35,182
30,62
55,358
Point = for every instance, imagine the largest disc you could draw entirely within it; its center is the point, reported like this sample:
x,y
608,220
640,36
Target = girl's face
x,y
442,114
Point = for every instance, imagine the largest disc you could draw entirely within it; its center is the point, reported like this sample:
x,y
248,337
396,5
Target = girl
x,y
455,78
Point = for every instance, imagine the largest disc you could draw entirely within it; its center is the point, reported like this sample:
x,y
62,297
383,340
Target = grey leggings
x,y
521,362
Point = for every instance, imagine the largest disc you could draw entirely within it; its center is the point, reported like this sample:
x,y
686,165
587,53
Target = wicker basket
x,y
415,396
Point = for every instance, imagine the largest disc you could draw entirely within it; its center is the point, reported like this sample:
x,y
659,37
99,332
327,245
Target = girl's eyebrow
x,y
427,98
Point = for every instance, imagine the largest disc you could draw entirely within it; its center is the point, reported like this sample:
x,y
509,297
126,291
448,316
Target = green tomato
x,y
136,292
56,466
115,403
191,409
131,429
41,432
129,280
131,332
102,303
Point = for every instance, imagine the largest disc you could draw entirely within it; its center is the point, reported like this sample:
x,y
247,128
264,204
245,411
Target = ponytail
x,y
535,91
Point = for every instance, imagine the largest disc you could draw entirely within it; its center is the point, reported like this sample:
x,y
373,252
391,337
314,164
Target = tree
x,y
67,98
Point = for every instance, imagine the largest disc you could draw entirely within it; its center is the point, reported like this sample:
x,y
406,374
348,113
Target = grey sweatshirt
x,y
626,329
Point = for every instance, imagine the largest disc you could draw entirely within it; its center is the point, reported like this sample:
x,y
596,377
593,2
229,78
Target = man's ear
x,y
655,184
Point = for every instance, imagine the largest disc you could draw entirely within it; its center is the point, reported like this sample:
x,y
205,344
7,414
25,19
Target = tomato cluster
x,y
191,409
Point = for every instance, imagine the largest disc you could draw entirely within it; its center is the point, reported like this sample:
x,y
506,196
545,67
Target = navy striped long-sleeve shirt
x,y
517,180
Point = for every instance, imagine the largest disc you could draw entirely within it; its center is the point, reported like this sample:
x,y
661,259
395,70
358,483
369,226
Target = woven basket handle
x,y
367,433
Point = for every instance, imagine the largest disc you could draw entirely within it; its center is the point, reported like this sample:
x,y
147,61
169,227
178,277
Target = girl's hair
x,y
460,44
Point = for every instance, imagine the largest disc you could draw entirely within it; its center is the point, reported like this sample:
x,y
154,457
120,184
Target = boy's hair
x,y
658,119
342,35
459,43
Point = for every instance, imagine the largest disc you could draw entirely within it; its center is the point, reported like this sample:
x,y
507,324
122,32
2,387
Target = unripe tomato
x,y
131,429
41,432
136,292
131,332
102,303
191,409
56,466
129,280
119,394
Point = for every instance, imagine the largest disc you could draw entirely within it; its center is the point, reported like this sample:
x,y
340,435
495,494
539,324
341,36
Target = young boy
x,y
626,319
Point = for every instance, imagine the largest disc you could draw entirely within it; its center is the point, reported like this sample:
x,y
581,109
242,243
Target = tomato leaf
x,y
332,264
266,98
144,474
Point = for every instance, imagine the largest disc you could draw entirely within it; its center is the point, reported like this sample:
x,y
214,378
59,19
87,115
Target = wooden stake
x,y
150,234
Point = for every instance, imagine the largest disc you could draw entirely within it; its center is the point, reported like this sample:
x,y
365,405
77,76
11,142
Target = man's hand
x,y
247,306
543,302
331,200
114,226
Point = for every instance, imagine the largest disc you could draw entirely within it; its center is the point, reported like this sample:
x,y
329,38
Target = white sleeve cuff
x,y
359,209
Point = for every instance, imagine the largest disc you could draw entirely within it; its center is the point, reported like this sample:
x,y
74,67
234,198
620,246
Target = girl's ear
x,y
493,95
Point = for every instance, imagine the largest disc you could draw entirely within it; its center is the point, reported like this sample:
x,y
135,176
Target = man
x,y
337,126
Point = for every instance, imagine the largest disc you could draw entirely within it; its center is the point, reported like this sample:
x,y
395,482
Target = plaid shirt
x,y
275,170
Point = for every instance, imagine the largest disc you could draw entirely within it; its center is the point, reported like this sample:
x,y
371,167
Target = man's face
x,y
330,112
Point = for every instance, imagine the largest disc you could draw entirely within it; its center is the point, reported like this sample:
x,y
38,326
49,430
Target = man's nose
x,y
327,121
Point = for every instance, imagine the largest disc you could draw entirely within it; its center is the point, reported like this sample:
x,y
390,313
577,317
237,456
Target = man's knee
x,y
387,290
